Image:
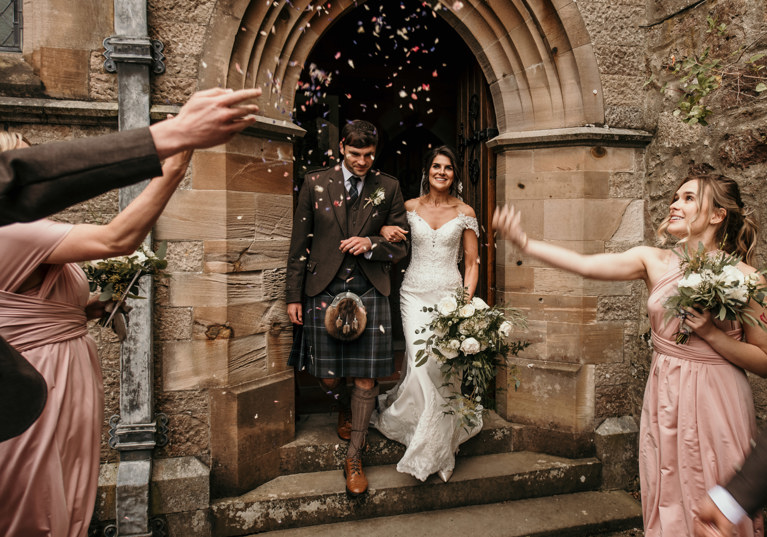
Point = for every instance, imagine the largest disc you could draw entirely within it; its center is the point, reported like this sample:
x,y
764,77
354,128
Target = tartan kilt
x,y
368,356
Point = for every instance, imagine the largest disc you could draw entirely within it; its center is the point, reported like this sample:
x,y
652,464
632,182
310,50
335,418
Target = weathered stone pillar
x,y
241,197
569,186
130,53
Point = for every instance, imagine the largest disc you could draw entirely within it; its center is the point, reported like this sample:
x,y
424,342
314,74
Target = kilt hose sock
x,y
363,404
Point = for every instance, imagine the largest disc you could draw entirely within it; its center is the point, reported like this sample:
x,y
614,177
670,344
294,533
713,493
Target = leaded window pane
x,y
10,25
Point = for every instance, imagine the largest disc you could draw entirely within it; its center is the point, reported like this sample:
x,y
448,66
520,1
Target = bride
x,y
416,411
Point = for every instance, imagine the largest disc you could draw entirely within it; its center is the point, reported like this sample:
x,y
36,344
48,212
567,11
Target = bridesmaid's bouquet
x,y
714,283
470,339
117,278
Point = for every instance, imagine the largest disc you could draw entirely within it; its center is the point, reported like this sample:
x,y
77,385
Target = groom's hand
x,y
295,314
356,245
710,521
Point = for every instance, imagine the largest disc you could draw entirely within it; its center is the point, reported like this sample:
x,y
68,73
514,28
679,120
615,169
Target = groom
x,y
336,247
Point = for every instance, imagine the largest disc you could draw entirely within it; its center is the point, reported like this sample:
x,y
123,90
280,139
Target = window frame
x,y
17,31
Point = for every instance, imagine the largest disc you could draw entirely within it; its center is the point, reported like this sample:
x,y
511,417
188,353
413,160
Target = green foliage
x,y
698,76
117,277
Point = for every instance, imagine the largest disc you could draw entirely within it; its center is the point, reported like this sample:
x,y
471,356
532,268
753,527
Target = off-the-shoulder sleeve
x,y
469,222
25,247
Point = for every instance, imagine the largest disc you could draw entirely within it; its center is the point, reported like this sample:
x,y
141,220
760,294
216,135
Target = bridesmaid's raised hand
x,y
506,221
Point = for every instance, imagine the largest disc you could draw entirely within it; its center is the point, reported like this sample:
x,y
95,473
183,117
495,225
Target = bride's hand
x,y
393,233
506,222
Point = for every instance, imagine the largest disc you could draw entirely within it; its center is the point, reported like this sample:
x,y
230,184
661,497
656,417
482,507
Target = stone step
x,y
299,500
317,447
578,514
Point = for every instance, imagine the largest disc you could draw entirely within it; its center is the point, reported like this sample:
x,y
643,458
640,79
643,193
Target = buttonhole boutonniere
x,y
376,198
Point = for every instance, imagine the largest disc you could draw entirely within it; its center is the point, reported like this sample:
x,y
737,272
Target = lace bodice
x,y
435,253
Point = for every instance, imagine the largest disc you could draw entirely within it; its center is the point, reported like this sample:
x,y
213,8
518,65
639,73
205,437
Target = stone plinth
x,y
616,441
180,491
248,426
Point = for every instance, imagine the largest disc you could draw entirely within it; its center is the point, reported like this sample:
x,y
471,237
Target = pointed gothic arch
x,y
536,56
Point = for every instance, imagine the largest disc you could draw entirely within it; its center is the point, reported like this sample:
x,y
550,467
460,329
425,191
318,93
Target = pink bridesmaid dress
x,y
49,474
697,421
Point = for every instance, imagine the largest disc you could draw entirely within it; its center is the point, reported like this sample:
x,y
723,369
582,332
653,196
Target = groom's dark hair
x,y
359,133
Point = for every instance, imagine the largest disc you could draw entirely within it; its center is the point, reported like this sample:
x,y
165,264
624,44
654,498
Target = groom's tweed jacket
x,y
749,485
320,223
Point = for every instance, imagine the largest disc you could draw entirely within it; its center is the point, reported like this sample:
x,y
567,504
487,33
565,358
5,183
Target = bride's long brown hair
x,y
738,231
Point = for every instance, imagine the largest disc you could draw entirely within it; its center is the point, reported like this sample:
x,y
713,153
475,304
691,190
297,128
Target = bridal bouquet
x,y
714,283
470,339
117,278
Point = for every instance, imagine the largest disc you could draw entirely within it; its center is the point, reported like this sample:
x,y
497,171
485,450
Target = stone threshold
x,y
578,514
308,499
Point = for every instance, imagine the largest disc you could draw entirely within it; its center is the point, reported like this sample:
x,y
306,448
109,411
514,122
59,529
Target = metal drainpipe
x,y
131,54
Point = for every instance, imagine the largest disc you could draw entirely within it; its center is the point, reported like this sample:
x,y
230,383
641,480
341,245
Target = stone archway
x,y
536,56
545,86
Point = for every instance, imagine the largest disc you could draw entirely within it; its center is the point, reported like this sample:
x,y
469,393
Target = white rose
x,y
692,281
738,294
466,327
454,344
732,274
447,305
470,346
439,331
479,304
505,329
467,311
448,352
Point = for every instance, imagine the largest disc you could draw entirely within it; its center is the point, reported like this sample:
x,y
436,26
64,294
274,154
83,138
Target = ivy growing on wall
x,y
694,79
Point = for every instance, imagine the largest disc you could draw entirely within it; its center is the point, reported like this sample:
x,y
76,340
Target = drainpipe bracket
x,y
138,436
124,49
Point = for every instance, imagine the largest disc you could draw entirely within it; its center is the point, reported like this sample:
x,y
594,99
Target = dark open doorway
x,y
397,65
401,66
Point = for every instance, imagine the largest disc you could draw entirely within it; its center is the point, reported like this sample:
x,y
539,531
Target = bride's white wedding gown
x,y
414,412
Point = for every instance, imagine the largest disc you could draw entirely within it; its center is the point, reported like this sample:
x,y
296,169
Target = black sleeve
x,y
749,485
41,180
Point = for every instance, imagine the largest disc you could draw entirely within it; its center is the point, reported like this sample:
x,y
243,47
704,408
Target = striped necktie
x,y
353,193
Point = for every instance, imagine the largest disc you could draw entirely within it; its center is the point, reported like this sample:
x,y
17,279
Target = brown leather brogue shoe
x,y
344,428
356,482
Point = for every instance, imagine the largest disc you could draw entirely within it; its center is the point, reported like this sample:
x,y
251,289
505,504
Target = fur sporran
x,y
346,317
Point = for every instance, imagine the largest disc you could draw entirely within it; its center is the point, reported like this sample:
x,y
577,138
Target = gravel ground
x,y
636,532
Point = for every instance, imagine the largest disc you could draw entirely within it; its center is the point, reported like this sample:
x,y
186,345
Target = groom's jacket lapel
x,y
366,208
338,198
